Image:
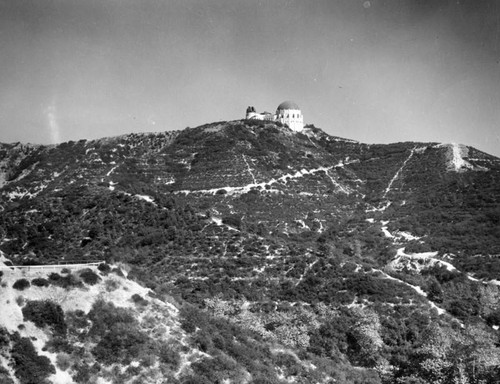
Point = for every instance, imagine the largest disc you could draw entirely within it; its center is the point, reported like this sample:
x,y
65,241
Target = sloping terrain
x,y
336,253
77,323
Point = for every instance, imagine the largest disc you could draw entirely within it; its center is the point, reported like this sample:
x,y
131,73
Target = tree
x,y
482,353
464,356
434,291
365,336
489,297
436,363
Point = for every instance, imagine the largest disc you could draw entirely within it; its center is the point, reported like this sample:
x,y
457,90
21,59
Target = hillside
x,y
69,323
322,253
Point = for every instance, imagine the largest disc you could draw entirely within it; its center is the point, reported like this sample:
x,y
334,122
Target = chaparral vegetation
x,y
243,252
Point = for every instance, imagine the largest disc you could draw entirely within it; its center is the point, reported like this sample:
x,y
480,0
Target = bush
x,y
20,300
64,281
169,356
122,343
5,376
105,314
45,313
203,341
77,322
40,282
233,221
192,318
59,344
463,308
82,374
118,272
218,369
21,284
4,338
63,361
29,367
89,276
54,277
139,300
104,268
111,285
493,318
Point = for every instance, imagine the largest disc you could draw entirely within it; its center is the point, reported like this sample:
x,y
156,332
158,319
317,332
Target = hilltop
x,y
320,250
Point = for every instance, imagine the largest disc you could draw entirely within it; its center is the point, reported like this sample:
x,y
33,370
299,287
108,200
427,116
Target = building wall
x,y
291,117
255,116
260,116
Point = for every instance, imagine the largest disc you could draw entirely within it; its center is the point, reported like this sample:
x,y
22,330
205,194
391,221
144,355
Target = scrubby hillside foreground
x,y
76,324
292,257
62,325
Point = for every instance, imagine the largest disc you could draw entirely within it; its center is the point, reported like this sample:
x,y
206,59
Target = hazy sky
x,y
375,71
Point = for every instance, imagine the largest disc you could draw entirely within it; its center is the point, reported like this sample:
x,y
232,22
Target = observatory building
x,y
287,113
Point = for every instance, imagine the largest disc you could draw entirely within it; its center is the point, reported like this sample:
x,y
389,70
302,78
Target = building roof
x,y
287,105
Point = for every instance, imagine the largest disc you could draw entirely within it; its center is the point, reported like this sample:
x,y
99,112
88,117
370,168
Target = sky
x,y
376,71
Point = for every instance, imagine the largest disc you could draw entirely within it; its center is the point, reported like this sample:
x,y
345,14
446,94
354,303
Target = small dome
x,y
287,105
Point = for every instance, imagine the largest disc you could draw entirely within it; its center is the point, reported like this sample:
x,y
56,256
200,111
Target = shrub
x,y
111,285
463,308
288,363
105,314
493,318
59,344
5,376
40,282
217,369
89,276
65,270
70,281
203,341
104,268
76,320
192,318
20,300
54,277
121,343
21,284
45,313
118,272
63,361
4,338
139,300
28,365
64,281
169,356
233,221
82,374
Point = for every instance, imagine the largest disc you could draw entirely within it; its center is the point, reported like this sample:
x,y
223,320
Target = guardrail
x,y
49,266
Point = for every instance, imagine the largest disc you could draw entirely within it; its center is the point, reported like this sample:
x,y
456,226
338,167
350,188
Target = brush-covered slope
x,y
340,252
79,323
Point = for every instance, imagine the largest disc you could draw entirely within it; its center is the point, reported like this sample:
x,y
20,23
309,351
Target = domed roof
x,y
288,105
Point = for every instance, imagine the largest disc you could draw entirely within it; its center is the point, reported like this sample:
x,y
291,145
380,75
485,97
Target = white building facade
x,y
287,113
